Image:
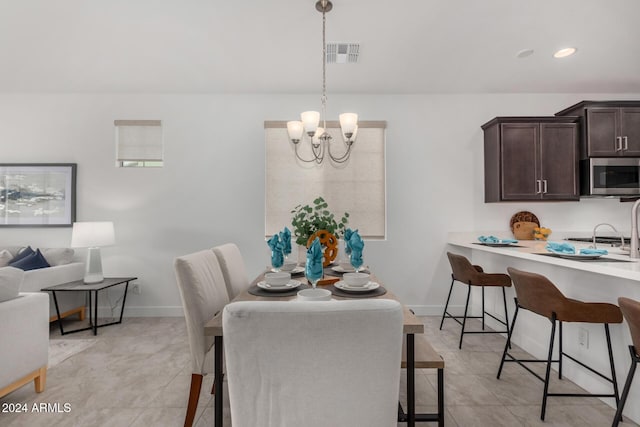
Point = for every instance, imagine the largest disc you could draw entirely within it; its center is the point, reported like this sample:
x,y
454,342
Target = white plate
x,y
366,288
578,256
339,269
498,244
289,286
297,270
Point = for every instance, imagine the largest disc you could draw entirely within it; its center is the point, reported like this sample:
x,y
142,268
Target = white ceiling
x,y
274,46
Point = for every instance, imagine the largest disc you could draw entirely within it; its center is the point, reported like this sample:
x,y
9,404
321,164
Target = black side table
x,y
79,286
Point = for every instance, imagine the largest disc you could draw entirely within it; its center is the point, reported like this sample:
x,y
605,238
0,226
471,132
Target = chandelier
x,y
309,124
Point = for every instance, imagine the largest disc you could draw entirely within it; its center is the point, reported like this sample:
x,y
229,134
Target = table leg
x,y
411,386
55,302
217,348
95,314
124,299
440,397
90,311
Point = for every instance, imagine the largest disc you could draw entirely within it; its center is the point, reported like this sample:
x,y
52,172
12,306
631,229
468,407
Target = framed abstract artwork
x,y
37,194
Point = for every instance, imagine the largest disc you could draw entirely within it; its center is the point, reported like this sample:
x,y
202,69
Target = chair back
x,y
233,270
536,293
203,294
631,312
329,363
461,269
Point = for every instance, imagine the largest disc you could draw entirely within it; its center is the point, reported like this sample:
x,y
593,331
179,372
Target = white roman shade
x,y
357,186
138,140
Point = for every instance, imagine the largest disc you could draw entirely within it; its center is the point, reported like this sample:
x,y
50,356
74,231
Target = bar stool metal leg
x,y
614,380
464,319
507,345
506,314
549,358
560,351
446,306
627,385
482,308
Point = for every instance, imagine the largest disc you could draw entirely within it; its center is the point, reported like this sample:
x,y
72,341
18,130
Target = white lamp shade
x,y
92,234
295,129
310,120
319,132
348,122
353,137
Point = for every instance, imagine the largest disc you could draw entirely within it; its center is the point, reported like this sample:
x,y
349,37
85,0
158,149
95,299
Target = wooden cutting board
x,y
523,230
523,216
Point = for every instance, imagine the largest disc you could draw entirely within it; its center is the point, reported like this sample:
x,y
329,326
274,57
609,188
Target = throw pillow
x,y
10,282
31,262
22,253
5,258
58,256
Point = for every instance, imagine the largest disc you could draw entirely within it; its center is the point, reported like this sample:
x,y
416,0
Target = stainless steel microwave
x,y
610,177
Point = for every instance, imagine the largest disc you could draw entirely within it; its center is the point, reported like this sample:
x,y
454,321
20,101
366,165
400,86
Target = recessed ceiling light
x,y
567,51
524,53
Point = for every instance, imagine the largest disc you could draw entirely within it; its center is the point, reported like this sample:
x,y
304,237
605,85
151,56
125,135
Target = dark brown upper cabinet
x,y
531,158
609,128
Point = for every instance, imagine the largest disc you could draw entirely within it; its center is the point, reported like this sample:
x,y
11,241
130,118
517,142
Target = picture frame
x,y
37,194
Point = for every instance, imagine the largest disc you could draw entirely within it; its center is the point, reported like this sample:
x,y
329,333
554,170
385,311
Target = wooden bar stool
x,y
473,275
537,294
631,311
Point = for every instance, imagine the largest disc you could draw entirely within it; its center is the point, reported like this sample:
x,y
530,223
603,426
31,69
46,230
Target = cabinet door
x,y
602,131
519,161
559,160
630,131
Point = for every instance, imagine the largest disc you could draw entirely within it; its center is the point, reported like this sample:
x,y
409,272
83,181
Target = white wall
x,y
211,188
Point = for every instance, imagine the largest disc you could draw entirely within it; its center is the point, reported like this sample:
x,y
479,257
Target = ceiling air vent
x,y
342,53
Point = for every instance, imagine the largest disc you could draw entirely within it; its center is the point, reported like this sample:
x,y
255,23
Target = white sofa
x,y
64,268
24,342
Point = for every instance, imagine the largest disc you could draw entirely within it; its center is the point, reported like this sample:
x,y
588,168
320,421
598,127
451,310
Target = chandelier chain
x,y
324,71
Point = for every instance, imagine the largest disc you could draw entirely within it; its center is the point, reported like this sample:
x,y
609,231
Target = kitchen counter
x,y
530,249
597,281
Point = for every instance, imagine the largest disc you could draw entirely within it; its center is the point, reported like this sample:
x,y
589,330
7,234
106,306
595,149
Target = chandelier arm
x,y
315,159
342,158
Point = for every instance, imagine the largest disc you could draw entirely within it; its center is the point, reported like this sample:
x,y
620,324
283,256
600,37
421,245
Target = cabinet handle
x,y
538,186
626,142
618,143
545,187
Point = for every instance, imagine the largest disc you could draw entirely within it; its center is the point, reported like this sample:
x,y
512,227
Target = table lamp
x,y
92,235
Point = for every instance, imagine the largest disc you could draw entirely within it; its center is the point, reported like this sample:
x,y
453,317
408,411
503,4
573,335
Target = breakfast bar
x,y
601,279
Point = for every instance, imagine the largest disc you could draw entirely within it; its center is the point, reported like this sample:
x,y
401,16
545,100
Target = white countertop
x,y
530,249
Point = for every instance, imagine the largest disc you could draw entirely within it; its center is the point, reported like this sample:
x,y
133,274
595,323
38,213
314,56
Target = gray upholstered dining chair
x,y
233,270
203,293
329,363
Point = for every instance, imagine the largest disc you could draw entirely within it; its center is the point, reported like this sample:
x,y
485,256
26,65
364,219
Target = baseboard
x,y
177,311
142,311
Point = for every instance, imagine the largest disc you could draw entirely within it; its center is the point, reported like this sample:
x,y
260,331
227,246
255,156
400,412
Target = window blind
x,y
138,140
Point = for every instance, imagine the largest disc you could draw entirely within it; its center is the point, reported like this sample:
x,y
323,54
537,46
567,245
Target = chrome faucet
x,y
634,231
613,228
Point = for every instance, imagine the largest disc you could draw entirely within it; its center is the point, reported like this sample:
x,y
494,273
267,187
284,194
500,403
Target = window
x,y
357,186
139,143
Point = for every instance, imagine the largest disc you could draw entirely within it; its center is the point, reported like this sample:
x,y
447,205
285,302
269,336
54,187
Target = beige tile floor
x,y
138,375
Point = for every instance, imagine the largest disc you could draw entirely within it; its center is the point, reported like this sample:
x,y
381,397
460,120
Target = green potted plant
x,y
307,220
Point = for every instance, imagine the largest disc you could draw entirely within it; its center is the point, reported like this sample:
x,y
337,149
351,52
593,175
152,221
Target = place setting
x,y
495,242
278,282
355,282
568,251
